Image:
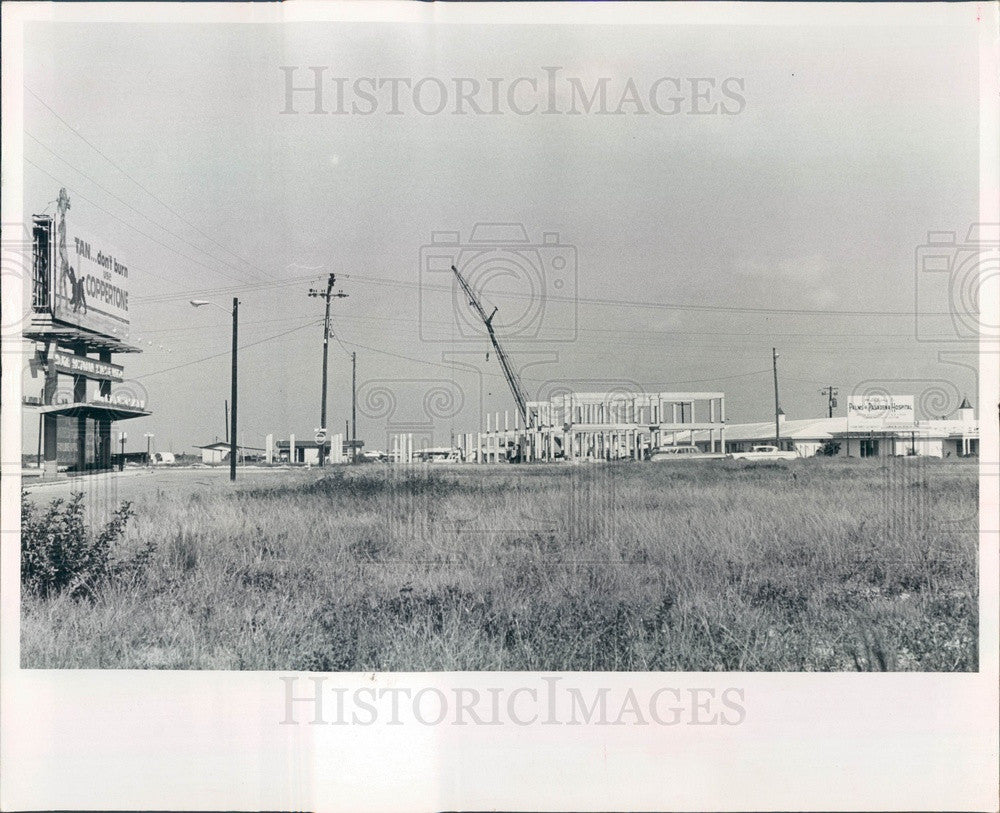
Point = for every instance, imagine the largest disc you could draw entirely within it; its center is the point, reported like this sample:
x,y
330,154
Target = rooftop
x,y
44,328
97,410
224,445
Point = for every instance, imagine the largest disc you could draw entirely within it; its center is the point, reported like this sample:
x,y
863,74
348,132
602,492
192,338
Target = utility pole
x,y
232,413
231,416
777,408
831,394
226,403
354,406
327,295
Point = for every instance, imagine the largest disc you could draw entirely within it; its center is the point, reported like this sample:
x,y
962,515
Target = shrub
x,y
829,449
60,554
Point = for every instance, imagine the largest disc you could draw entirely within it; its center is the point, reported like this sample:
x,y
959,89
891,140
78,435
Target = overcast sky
x,y
841,148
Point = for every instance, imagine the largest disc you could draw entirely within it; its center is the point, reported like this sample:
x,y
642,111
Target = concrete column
x,y
50,456
104,426
49,442
291,449
79,397
269,448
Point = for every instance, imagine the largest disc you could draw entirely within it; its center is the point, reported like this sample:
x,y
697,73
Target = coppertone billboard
x,y
89,280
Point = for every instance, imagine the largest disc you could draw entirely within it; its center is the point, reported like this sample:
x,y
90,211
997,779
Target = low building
x,y
306,452
216,453
957,437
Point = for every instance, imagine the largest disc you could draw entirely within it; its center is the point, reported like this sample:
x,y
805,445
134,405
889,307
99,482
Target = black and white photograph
x,y
611,355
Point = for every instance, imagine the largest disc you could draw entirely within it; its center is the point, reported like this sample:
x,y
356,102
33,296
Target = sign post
x,y
321,441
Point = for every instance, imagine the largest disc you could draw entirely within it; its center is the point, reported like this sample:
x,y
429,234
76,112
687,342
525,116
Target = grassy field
x,y
816,565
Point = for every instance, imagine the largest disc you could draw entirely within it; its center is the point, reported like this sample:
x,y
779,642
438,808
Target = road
x,y
137,484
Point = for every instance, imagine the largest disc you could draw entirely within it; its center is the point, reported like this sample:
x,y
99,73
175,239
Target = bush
x,y
60,554
829,449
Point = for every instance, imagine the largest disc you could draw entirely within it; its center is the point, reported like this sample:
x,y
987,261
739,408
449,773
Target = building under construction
x,y
599,426
588,425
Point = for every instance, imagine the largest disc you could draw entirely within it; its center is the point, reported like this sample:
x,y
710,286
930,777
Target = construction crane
x,y
516,388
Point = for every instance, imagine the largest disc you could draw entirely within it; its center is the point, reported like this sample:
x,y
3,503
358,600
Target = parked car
x,y
765,453
443,454
668,453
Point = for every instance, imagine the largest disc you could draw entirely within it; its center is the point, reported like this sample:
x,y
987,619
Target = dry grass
x,y
818,565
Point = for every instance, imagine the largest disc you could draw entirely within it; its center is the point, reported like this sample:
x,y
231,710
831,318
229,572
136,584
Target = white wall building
x,y
950,437
215,453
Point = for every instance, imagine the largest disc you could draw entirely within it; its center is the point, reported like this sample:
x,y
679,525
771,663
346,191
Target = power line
x,y
652,305
376,280
130,206
133,180
225,352
450,367
256,286
208,325
337,338
129,225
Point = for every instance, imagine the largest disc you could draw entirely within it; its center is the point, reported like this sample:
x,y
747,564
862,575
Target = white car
x,y
664,454
443,454
765,453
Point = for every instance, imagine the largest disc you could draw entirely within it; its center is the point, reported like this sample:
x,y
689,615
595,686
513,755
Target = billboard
x,y
880,413
90,279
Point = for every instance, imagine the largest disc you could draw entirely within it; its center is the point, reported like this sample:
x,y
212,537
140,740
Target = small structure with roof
x,y
218,452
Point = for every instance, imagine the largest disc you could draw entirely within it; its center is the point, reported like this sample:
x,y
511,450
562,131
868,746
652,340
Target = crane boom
x,y
516,388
